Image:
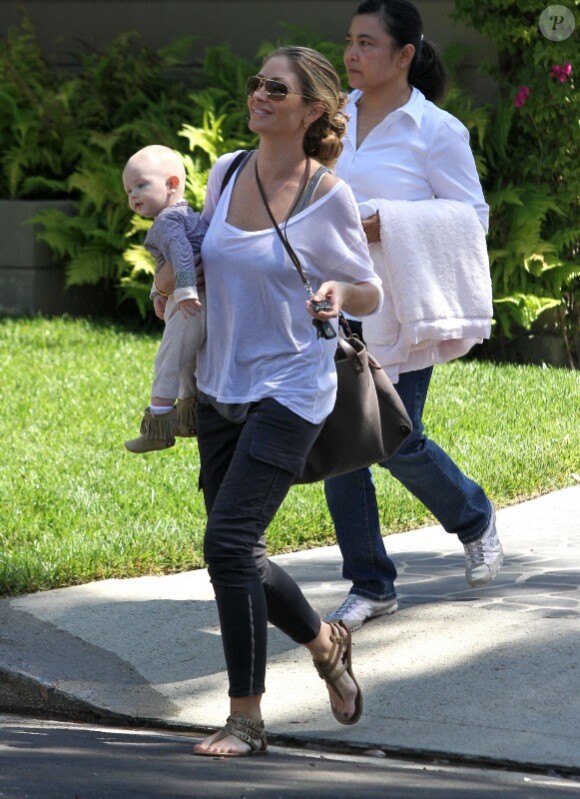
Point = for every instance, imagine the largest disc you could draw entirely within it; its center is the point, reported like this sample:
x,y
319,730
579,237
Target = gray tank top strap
x,y
310,189
304,201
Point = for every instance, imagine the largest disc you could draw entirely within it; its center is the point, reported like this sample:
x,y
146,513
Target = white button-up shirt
x,y
417,152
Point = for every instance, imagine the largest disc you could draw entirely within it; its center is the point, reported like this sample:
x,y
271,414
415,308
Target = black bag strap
x,y
344,328
283,238
238,160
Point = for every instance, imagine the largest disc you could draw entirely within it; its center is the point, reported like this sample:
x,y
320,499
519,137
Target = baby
x,y
154,179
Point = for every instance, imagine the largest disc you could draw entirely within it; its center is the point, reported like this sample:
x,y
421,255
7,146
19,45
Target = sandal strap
x,y
331,669
248,731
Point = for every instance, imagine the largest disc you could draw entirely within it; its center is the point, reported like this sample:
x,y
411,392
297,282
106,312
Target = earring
x,y
306,125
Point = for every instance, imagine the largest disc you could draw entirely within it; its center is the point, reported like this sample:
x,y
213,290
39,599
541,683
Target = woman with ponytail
x,y
266,380
401,152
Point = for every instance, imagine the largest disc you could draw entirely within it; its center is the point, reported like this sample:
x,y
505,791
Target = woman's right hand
x,y
372,228
199,272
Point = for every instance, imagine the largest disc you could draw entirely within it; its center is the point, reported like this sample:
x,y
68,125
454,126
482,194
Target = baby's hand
x,y
159,304
190,307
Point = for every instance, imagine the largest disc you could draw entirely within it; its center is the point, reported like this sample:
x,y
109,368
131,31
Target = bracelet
x,y
158,290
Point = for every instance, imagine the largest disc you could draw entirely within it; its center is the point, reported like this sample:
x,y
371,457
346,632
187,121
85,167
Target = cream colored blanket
x,y
433,262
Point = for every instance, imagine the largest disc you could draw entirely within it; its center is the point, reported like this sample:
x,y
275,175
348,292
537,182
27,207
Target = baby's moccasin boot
x,y
157,432
186,422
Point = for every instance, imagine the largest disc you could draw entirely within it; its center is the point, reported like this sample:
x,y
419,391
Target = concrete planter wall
x,y
543,344
31,281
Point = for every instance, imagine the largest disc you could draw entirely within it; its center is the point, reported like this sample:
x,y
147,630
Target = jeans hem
x,y
369,595
478,536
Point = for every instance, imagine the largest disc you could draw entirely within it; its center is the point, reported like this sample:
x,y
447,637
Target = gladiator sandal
x,y
332,669
248,731
157,432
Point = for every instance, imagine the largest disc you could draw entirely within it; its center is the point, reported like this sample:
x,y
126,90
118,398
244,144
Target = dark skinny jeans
x,y
246,471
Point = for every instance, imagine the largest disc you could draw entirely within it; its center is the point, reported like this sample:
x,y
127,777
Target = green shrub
x,y
127,96
40,145
217,125
69,135
532,155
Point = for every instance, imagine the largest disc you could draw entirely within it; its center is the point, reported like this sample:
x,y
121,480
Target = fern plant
x,y
218,125
459,103
37,119
125,101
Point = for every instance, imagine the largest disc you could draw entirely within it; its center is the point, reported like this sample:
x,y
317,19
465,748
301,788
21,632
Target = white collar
x,y
414,106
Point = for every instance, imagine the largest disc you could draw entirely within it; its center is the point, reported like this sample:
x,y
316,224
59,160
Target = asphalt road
x,y
53,760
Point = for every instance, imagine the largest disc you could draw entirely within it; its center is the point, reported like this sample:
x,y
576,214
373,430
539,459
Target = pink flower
x,y
561,73
521,97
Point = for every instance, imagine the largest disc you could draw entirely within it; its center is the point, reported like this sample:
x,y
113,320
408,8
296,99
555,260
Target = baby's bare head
x,y
159,160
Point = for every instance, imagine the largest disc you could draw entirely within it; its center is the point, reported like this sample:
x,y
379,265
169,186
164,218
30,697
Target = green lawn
x,y
77,507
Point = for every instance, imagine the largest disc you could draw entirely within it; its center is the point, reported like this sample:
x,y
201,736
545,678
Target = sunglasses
x,y
275,89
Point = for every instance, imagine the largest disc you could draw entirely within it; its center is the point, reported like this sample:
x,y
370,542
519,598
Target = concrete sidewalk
x,y
485,675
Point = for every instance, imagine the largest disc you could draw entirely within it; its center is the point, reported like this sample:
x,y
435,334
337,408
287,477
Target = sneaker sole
x,y
483,581
356,625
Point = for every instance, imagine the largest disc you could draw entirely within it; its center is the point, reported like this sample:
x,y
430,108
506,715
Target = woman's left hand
x,y
372,228
333,293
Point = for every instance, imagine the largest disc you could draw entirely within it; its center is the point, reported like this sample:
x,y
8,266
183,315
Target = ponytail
x,y
427,72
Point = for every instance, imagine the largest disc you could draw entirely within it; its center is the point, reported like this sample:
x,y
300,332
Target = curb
x,y
22,694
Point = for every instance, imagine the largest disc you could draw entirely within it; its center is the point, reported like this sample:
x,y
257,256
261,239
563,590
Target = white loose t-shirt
x,y
261,341
417,152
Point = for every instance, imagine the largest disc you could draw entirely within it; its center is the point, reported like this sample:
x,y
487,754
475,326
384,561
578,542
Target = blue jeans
x,y
458,504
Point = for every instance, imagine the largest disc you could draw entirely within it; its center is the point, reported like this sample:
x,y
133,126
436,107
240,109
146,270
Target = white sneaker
x,y
355,610
483,558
